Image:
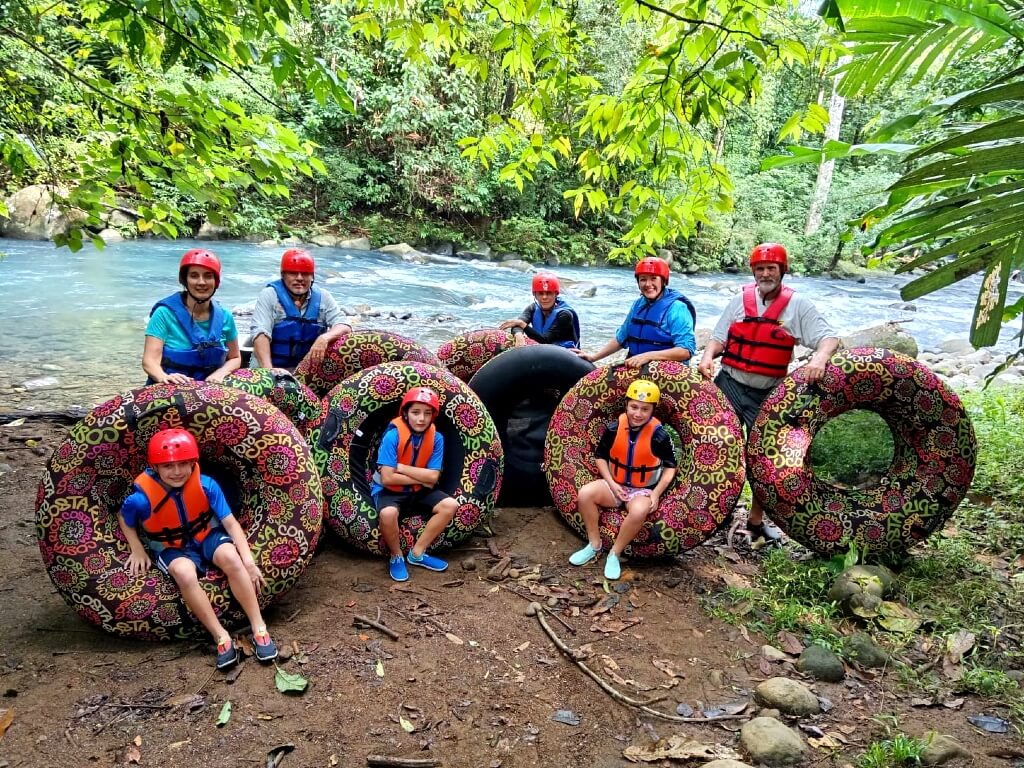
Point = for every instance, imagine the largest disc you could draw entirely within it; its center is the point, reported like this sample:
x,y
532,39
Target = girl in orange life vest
x,y
189,526
636,464
410,460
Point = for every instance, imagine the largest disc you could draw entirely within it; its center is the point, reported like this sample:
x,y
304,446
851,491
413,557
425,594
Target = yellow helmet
x,y
644,392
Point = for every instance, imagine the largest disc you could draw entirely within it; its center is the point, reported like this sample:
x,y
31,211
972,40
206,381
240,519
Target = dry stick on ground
x,y
383,761
552,614
536,609
357,620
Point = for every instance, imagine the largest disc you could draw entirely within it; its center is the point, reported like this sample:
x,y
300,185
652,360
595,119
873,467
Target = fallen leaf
x,y
15,423
743,632
6,718
363,638
137,741
380,668
613,626
959,643
31,443
606,604
288,682
922,702
332,761
225,713
825,742
953,703
453,638
764,666
897,617
523,647
406,725
666,666
790,643
566,717
678,747
132,754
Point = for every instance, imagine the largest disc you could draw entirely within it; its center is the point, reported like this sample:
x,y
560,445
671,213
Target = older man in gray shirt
x,y
755,337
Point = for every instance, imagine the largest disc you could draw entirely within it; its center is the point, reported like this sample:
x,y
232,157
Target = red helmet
x,y
545,281
169,445
769,253
421,395
652,266
199,257
297,260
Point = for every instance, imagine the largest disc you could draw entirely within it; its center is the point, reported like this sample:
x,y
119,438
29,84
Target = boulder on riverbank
x,y
34,214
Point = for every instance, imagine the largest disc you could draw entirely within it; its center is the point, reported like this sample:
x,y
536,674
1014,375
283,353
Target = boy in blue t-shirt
x,y
190,527
409,463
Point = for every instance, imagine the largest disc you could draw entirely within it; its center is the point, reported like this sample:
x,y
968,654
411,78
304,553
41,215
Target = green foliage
x,y
853,449
896,752
997,416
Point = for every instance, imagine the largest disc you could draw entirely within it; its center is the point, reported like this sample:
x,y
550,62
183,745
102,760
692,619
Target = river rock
x,y
941,749
111,236
859,647
584,289
269,243
325,240
956,346
726,764
41,382
119,219
859,580
821,664
355,244
768,741
888,336
518,264
478,250
32,214
292,240
211,231
772,653
788,696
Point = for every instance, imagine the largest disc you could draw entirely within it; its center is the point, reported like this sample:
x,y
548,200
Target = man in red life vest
x,y
755,337
409,461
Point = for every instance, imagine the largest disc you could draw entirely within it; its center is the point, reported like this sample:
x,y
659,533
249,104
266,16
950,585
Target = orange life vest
x,y
165,524
409,454
633,463
758,343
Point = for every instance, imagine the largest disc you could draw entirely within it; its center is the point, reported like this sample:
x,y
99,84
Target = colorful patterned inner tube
x,y
359,410
466,353
296,401
934,454
710,461
358,351
256,454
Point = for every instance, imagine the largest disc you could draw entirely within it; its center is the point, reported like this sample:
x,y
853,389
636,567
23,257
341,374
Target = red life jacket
x,y
407,454
634,463
759,344
165,523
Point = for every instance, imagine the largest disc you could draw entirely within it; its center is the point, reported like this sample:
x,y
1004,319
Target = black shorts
x,y
746,401
425,497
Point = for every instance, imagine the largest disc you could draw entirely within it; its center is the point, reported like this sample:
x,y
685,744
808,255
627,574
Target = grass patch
x,y
854,449
900,750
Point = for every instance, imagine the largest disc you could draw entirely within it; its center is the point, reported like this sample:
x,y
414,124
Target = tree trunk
x,y
824,183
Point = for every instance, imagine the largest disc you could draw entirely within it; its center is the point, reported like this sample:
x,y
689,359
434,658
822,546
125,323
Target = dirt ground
x,y
473,678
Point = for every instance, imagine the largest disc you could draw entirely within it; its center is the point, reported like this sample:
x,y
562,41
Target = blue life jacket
x,y
543,327
293,335
646,331
208,351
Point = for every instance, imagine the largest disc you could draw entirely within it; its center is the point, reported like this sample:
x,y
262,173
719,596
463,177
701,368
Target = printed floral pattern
x,y
279,503
346,448
466,354
710,463
933,458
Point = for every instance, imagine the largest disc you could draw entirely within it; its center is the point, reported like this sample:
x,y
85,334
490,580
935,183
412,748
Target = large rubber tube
x,y
934,453
256,454
359,410
521,388
468,352
296,401
355,352
709,454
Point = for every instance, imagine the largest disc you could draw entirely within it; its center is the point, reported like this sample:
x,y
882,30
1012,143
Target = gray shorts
x,y
746,401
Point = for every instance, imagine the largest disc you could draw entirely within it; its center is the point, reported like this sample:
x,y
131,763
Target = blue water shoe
x,y
397,569
429,562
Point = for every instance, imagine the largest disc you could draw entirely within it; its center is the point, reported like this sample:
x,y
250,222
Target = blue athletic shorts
x,y
200,553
